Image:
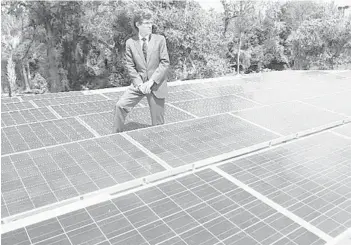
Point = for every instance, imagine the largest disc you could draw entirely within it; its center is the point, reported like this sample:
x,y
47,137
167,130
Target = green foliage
x,y
321,42
74,45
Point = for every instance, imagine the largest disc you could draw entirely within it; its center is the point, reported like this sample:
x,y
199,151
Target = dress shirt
x,y
141,41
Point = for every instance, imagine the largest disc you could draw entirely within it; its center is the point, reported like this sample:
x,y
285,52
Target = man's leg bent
x,y
157,109
125,104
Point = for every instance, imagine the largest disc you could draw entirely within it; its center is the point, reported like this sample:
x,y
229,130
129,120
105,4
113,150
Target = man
x,y
147,62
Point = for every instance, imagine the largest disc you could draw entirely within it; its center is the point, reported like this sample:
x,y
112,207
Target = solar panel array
x,y
59,147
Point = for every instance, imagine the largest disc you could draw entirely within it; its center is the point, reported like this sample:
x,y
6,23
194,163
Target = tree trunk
x,y
238,58
25,76
11,75
54,78
28,72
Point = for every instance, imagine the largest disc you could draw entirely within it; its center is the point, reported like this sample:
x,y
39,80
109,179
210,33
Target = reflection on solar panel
x,y
42,134
311,178
54,174
16,106
195,140
211,83
275,95
344,130
232,164
26,116
290,117
138,118
211,106
338,103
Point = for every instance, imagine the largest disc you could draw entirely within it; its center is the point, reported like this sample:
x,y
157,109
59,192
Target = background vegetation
x,y
60,46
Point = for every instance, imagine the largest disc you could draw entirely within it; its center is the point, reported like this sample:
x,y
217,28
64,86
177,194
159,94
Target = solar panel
x,y
344,130
333,77
117,95
195,140
345,73
290,117
72,110
114,95
31,180
310,178
181,96
26,116
275,95
68,100
338,103
16,106
204,212
172,96
6,100
220,91
42,134
198,84
51,95
212,106
138,118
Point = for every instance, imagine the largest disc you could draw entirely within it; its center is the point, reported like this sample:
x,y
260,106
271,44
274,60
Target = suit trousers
x,y
131,98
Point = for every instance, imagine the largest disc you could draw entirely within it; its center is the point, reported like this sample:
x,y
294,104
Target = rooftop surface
x,y
255,159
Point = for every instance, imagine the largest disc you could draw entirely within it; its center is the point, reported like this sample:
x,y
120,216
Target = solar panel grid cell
x,y
16,106
52,95
6,100
220,91
71,110
68,100
26,116
36,135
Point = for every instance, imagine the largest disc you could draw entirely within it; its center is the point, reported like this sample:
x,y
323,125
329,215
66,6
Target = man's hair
x,y
140,16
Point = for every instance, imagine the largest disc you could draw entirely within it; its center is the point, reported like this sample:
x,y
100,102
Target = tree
x,y
321,42
239,16
10,40
60,21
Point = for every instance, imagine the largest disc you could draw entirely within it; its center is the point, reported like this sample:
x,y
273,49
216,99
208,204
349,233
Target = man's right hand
x,y
144,88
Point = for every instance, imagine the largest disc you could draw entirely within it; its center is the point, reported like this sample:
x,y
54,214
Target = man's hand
x,y
145,88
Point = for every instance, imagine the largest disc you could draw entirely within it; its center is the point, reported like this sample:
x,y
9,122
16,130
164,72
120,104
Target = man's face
x,y
145,27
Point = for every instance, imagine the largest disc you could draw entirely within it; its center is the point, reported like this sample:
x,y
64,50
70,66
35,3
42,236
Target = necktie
x,y
144,48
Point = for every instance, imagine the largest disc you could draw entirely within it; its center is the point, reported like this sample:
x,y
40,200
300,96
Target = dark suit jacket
x,y
156,66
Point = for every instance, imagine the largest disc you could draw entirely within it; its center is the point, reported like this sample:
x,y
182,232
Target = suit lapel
x,y
137,46
150,47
